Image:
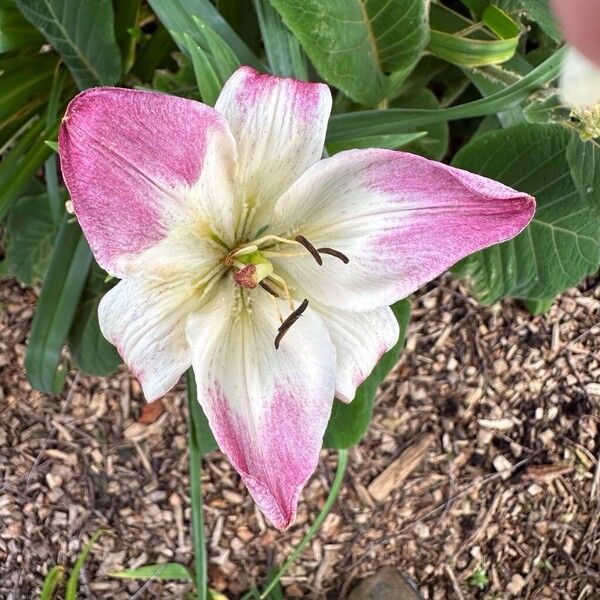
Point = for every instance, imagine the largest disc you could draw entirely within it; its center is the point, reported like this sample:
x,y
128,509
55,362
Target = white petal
x,y
145,320
360,340
279,126
267,408
580,80
400,219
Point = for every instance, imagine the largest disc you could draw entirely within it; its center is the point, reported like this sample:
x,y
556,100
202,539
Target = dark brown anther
x,y
285,326
315,254
269,289
335,253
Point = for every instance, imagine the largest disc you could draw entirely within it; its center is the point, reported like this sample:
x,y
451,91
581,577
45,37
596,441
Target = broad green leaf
x,y
541,12
177,16
31,231
584,161
159,572
91,352
368,123
562,243
349,422
63,284
71,591
282,49
82,32
15,32
538,307
51,582
435,143
355,43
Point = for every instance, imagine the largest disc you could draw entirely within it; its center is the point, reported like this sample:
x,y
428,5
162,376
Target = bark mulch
x,y
479,477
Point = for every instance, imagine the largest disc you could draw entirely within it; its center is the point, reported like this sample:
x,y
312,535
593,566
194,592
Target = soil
x,y
493,412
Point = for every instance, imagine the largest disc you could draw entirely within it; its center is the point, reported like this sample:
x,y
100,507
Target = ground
x,y
493,412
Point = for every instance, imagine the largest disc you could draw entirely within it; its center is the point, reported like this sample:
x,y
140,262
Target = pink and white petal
x,y
145,320
360,340
267,408
400,219
133,161
279,125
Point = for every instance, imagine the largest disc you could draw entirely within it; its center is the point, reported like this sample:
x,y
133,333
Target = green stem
x,y
333,493
196,491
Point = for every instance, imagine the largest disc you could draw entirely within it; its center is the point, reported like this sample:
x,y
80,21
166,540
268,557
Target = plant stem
x,y
331,498
196,491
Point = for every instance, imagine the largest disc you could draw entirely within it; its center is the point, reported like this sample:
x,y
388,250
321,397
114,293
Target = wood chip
x,y
397,472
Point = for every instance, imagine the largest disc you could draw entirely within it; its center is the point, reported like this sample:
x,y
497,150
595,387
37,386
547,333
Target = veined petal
x,y
267,408
400,219
137,162
580,80
145,320
360,340
279,126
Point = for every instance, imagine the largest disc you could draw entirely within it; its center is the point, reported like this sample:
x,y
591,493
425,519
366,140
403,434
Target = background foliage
x,y
467,82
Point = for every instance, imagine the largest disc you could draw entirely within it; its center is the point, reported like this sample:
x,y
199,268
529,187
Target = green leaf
x,y
20,163
177,16
181,83
15,32
584,161
91,352
355,43
283,51
82,33
435,143
541,12
539,307
460,41
31,231
349,422
368,123
71,591
202,434
63,284
562,243
159,572
52,580
390,142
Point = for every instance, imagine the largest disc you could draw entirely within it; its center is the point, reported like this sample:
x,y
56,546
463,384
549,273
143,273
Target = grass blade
x,y
71,591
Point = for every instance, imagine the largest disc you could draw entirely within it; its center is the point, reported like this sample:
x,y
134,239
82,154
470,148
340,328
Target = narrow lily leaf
x,y
126,30
207,79
52,580
52,145
21,162
349,422
562,243
203,436
364,41
91,352
283,50
159,572
398,120
71,591
496,44
390,142
177,16
82,33
63,284
31,231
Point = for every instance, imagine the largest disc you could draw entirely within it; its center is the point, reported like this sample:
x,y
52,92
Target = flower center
x,y
253,268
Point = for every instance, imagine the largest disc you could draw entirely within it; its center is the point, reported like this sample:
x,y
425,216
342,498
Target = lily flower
x,y
270,270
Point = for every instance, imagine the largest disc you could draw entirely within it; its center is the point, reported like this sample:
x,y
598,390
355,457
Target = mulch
x,y
493,413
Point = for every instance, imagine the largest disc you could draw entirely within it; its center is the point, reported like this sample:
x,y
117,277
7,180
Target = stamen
x,y
269,289
285,326
313,251
335,253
